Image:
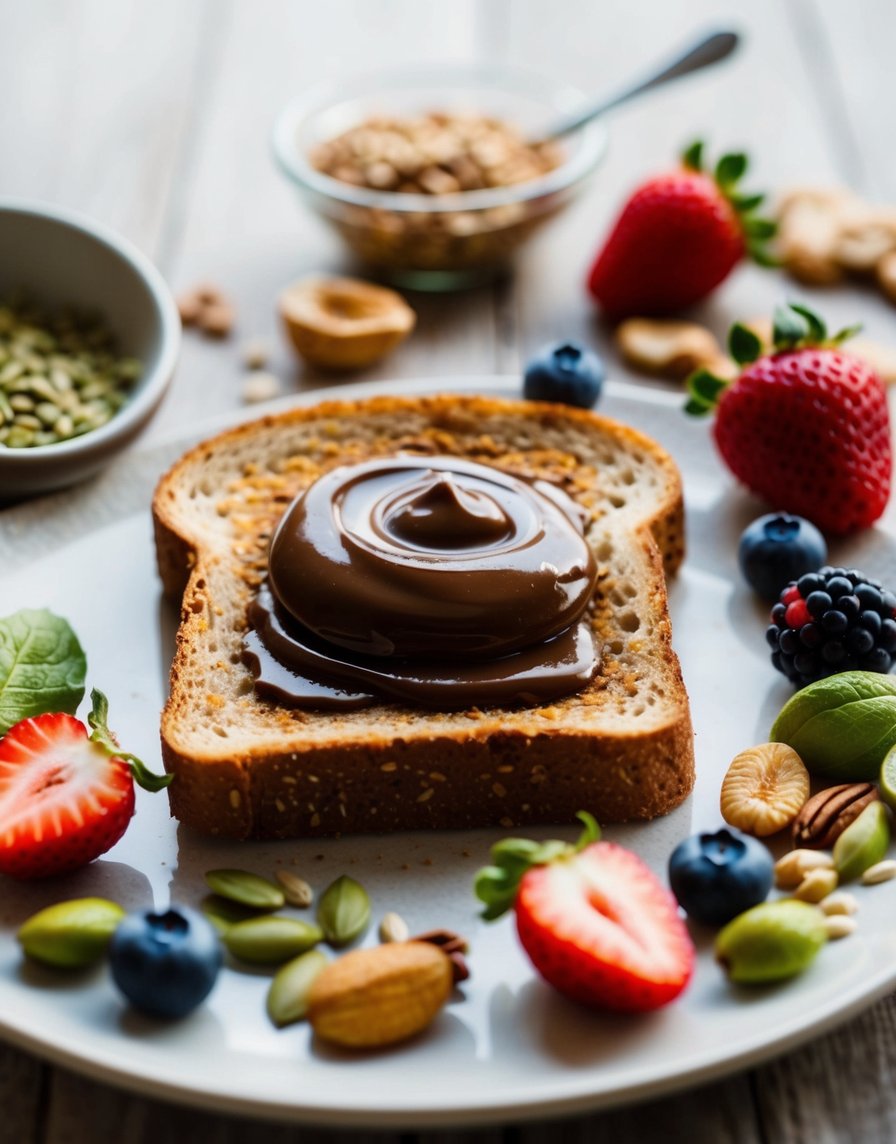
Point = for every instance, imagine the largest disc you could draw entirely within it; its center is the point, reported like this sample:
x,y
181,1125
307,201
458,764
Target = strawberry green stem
x,y
103,737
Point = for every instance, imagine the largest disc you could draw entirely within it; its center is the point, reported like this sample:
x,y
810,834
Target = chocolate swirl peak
x,y
432,579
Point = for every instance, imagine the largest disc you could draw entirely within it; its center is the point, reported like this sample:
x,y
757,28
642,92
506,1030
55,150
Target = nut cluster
x,y
434,154
826,235
60,376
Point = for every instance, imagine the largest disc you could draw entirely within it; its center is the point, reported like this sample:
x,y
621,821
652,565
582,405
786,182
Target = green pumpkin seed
x,y
863,843
223,913
271,940
343,911
246,888
71,935
771,942
287,1000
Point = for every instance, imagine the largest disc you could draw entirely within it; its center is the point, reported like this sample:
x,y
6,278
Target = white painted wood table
x,y
154,119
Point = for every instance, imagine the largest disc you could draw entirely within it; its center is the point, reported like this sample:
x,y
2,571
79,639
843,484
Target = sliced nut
x,y
827,814
669,348
764,789
296,890
816,885
393,928
375,997
260,385
880,872
886,275
216,319
864,239
839,925
809,221
343,323
840,902
794,866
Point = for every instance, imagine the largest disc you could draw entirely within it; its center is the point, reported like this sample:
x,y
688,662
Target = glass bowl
x,y
436,241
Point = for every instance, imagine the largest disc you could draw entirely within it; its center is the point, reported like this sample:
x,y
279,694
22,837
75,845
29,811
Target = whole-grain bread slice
x,y
247,768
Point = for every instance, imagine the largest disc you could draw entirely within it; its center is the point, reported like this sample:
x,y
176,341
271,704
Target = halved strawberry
x,y
65,798
594,920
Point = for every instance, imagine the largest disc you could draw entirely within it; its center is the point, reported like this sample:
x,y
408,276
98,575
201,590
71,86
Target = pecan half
x,y
827,814
454,945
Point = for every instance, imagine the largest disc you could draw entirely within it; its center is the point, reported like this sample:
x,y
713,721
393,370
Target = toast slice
x,y
245,767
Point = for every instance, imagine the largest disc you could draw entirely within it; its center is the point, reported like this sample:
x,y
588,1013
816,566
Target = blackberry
x,y
832,620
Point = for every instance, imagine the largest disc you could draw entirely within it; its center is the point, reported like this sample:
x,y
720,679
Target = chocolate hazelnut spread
x,y
433,580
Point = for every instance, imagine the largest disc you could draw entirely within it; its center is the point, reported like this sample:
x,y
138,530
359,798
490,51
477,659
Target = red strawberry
x,y
678,237
807,427
64,798
594,920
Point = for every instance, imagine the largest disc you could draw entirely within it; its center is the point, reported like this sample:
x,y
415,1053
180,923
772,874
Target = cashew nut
x,y
670,348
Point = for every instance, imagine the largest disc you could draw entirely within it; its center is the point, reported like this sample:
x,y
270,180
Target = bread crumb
x,y
235,798
426,795
499,789
389,767
315,821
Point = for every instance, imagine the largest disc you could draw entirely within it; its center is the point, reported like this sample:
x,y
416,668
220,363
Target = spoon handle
x,y
710,50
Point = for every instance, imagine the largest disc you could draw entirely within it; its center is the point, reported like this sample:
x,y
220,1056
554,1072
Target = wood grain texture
x,y
154,118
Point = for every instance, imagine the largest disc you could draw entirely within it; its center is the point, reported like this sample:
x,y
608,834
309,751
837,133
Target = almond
x,y
374,997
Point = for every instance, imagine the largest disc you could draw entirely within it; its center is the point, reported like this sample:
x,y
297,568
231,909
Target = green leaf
x,y
103,737
705,387
761,256
746,203
818,331
730,168
743,344
692,158
42,666
760,228
789,328
695,408
845,334
496,885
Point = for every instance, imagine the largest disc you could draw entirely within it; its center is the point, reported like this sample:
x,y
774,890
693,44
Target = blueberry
x,y
165,963
717,876
778,548
566,372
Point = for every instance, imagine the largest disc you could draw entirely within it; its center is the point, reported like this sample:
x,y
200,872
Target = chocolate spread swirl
x,y
432,580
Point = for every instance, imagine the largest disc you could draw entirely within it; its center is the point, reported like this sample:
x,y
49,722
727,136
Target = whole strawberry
x,y
805,427
679,235
65,798
594,920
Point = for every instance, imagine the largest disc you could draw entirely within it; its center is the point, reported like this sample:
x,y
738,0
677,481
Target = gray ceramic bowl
x,y
60,259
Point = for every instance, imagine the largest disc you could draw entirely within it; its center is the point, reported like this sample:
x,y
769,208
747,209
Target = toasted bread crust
x,y
245,768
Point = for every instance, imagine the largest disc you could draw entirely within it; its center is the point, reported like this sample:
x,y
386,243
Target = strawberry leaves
x,y
496,885
102,736
728,172
798,327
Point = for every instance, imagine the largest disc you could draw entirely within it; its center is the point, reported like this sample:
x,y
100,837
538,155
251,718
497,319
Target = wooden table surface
x,y
154,118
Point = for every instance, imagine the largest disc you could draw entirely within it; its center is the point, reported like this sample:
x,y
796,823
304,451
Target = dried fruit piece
x,y
343,323
764,789
771,942
809,220
864,843
375,997
825,816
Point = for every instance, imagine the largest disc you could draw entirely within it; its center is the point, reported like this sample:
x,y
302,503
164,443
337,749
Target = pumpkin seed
x,y
343,911
246,888
223,913
271,940
295,889
287,1000
71,935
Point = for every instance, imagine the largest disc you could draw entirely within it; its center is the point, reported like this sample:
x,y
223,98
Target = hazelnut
x,y
343,323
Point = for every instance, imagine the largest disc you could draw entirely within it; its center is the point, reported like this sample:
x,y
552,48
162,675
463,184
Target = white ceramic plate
x,y
509,1049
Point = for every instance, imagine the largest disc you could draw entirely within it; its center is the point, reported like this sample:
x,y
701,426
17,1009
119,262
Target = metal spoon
x,y
710,50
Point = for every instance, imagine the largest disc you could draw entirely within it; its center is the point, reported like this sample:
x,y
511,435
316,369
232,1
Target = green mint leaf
x,y
818,331
97,719
790,328
761,256
743,344
42,666
692,158
730,168
845,334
